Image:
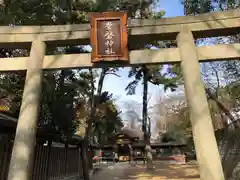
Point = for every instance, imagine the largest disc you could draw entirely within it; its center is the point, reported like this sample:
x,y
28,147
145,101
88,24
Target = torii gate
x,y
182,29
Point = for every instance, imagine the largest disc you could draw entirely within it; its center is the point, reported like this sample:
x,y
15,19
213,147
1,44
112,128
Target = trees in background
x,y
221,90
73,101
221,81
174,123
68,101
221,78
150,74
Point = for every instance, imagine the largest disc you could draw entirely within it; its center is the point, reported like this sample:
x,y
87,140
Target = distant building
x,y
4,105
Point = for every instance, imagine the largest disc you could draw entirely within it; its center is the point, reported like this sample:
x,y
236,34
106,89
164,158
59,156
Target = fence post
x,y
66,159
48,159
7,147
203,133
84,158
35,168
79,162
22,155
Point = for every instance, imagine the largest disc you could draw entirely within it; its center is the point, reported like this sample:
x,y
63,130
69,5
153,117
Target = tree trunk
x,y
148,150
87,163
222,108
94,101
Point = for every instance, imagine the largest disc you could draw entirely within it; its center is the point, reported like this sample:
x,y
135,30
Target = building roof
x,y
158,145
132,133
4,105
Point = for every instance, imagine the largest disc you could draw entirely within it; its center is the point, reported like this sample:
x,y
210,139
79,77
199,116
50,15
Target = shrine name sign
x,y
109,38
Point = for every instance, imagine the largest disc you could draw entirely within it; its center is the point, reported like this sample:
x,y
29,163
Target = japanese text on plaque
x,y
109,38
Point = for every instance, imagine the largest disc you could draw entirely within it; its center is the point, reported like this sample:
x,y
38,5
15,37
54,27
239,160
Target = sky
x,y
117,85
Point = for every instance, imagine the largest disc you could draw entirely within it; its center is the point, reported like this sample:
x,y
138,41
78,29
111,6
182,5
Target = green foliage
x,y
107,119
202,6
173,137
230,68
154,76
194,7
11,85
64,89
69,94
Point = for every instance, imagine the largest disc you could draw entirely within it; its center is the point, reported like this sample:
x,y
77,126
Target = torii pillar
x,y
21,164
203,133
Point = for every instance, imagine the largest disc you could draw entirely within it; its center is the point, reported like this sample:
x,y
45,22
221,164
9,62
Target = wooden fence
x,y
50,162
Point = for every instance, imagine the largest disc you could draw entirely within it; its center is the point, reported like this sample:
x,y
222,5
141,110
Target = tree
x,y
107,119
133,8
174,123
153,75
223,100
219,92
59,12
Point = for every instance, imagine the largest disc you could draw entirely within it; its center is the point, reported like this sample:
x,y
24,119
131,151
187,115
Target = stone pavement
x,y
126,171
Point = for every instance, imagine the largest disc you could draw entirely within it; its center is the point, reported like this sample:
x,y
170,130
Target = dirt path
x,y
112,172
125,171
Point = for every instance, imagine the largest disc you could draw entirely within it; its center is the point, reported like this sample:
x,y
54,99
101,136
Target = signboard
x,y
109,38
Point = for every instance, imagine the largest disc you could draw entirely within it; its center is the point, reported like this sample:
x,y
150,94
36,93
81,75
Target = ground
x,y
125,171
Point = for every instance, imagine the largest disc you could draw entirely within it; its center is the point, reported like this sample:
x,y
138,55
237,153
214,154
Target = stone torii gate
x,y
182,29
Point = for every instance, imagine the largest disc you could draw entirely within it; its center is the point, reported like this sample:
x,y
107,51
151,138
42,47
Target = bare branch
x,y
115,74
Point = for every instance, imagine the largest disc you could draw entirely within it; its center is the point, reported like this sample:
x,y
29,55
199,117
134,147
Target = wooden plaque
x,y
109,36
